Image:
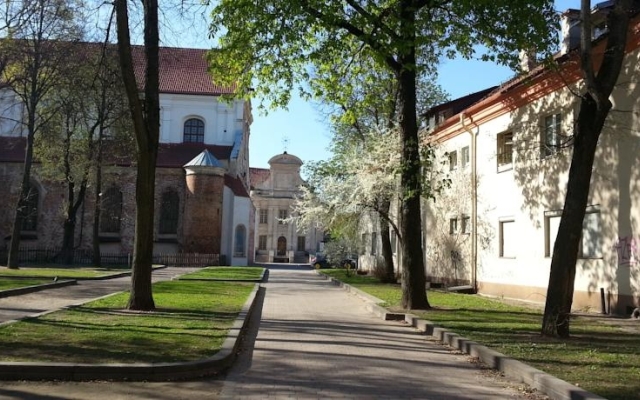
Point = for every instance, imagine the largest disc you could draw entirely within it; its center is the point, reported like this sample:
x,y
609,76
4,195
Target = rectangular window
x,y
374,243
464,157
591,241
394,241
551,135
504,150
453,226
551,224
507,239
466,224
264,215
453,160
302,243
363,244
262,242
282,215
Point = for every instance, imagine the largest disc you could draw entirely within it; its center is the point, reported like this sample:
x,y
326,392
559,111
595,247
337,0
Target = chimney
x,y
527,60
569,30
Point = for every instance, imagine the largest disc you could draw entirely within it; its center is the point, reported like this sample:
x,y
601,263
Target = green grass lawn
x,y
226,273
9,283
603,358
60,272
190,322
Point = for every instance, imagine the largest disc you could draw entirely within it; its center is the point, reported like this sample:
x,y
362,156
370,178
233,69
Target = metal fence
x,y
53,255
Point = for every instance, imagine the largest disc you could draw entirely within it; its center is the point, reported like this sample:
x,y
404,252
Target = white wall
x,y
221,121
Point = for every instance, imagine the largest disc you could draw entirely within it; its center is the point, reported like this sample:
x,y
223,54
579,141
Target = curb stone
x,y
33,371
36,288
555,388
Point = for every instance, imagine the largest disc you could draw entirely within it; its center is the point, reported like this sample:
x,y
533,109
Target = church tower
x,y
203,204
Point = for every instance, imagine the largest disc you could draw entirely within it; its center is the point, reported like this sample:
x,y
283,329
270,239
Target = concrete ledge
x,y
553,387
265,273
142,371
36,288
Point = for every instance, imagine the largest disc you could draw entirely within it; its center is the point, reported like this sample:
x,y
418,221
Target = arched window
x,y
239,247
194,131
29,209
111,210
169,211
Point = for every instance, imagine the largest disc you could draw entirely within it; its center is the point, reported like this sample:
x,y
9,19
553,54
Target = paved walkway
x,y
311,340
16,307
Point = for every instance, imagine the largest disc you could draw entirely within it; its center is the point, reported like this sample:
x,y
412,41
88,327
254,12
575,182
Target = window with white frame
x,y
394,241
453,226
464,157
465,227
262,242
504,149
282,215
507,238
453,160
551,135
591,241
374,243
551,224
264,215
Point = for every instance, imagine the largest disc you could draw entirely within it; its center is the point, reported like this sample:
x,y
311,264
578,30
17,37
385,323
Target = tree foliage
x,y
272,46
36,57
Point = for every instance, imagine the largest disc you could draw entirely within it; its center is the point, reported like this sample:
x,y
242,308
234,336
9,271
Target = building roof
x,y
182,71
285,158
459,104
236,186
258,176
204,159
170,155
533,85
175,155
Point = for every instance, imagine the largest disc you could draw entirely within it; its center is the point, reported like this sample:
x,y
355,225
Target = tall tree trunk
x,y
565,250
14,246
96,258
147,129
414,294
385,238
594,108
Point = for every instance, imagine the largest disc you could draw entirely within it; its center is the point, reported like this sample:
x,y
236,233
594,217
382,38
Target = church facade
x,y
202,202
273,192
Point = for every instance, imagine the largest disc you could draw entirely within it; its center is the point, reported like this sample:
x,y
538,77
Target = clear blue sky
x,y
308,137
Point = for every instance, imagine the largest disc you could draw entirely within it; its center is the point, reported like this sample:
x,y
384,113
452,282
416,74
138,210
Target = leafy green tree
x,y
87,101
594,109
272,46
145,114
36,58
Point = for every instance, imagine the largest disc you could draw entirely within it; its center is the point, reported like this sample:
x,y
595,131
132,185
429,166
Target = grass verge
x,y
8,283
61,272
602,356
190,322
226,273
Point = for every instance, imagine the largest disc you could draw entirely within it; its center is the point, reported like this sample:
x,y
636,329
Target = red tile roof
x,y
170,155
236,186
258,176
176,155
182,71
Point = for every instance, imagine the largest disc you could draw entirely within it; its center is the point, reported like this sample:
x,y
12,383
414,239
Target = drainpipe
x,y
474,201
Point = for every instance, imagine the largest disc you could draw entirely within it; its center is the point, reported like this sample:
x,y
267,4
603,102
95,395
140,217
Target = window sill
x,y
28,235
105,238
505,167
507,257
